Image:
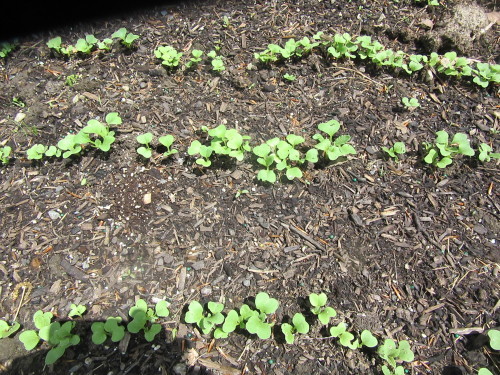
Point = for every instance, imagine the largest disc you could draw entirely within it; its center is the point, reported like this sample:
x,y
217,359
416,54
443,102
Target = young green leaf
x,y
266,304
194,313
76,310
494,336
6,330
368,340
29,339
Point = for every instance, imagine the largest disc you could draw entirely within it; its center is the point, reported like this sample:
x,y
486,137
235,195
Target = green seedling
x,y
367,48
6,48
333,149
36,152
398,148
416,63
56,45
196,148
398,370
18,102
217,63
410,103
111,328
266,159
367,339
441,153
69,145
53,151
6,329
239,193
342,46
206,321
169,56
270,55
494,336
127,39
485,153
144,318
345,338
319,308
289,77
167,141
196,59
299,325
57,335
305,46
452,65
234,320
86,45
145,139
257,323
71,80
5,152
392,352
486,73
76,310
288,157
95,127
228,142
105,44
290,49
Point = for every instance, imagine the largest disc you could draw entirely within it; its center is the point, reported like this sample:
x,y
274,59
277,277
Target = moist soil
x,y
407,251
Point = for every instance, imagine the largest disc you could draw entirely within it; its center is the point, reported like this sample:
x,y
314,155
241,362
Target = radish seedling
x,y
5,152
57,335
299,325
36,151
217,63
144,318
345,338
392,352
485,153
398,148
206,321
228,142
205,152
169,56
410,103
234,320
494,336
319,308
145,139
195,60
76,310
441,153
257,323
167,141
333,149
86,45
6,329
111,328
126,38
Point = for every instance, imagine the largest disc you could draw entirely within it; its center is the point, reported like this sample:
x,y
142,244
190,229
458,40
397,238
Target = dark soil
x,y
403,250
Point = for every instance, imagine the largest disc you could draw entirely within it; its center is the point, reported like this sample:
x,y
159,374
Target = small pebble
x,y
54,215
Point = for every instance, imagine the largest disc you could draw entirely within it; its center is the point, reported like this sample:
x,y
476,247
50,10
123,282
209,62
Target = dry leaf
x,y
493,17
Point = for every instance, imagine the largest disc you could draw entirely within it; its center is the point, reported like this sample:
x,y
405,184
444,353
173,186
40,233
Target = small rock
x,y
20,117
246,282
198,265
268,88
54,215
206,291
479,229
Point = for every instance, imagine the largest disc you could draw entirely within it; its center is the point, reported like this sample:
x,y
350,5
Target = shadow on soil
x,y
161,356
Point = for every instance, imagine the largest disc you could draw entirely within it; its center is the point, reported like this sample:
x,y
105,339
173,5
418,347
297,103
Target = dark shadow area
x,y
138,356
39,16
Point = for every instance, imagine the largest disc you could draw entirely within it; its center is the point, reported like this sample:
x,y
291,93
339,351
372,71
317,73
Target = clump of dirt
x,y
460,28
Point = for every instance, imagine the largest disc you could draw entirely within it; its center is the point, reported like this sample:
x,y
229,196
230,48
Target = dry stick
x,y
311,240
20,303
418,224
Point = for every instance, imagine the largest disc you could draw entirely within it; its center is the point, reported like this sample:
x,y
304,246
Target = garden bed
x,y
402,248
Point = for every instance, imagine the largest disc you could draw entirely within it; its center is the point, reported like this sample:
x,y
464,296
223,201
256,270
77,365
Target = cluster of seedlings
x,y
256,317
